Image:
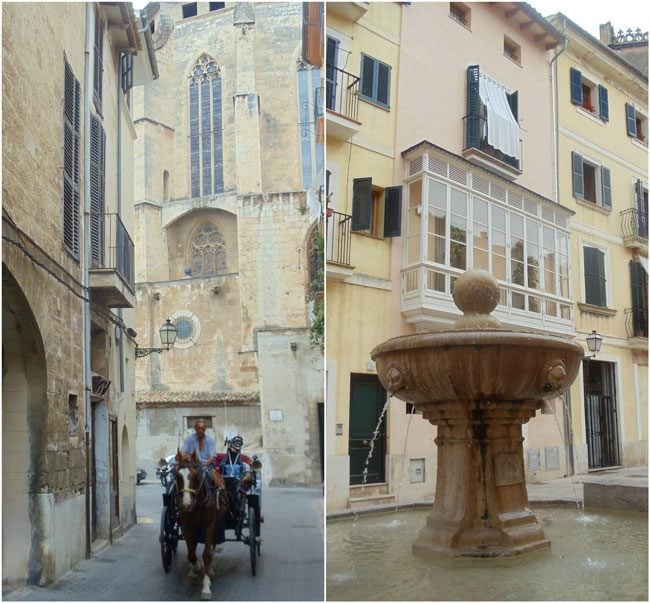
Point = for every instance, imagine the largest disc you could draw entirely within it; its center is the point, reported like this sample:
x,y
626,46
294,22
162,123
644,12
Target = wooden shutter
x,y
630,119
606,182
97,191
603,103
331,67
126,72
361,203
578,175
595,292
71,128
393,211
576,87
473,108
98,60
367,76
383,84
639,282
311,33
642,210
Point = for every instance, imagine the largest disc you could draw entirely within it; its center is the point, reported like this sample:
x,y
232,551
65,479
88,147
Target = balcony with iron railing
x,y
636,325
338,241
112,277
477,149
342,103
634,225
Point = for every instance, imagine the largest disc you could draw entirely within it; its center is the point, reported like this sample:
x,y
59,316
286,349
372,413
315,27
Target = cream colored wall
x,y
606,144
436,51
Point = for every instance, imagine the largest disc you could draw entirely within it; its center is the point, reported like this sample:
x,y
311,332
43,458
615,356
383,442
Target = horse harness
x,y
207,483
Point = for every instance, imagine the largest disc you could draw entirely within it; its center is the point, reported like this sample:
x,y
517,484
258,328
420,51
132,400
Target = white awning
x,y
503,130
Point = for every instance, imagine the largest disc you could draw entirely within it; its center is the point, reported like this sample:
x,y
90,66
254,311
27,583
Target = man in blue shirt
x,y
200,442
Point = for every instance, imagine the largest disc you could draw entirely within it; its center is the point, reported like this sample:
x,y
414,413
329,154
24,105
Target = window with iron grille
x,y
97,191
206,130
71,125
98,70
375,81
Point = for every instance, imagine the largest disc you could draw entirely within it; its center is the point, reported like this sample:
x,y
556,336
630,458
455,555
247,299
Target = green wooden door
x,y
367,400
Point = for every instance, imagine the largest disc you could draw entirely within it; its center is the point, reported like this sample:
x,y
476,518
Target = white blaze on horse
x,y
202,504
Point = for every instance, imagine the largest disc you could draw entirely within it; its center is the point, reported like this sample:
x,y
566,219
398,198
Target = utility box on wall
x,y
552,457
533,460
417,471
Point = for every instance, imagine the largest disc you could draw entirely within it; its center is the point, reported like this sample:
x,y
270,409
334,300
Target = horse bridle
x,y
202,471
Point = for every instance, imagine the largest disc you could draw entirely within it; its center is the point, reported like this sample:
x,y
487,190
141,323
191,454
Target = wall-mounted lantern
x,y
167,337
594,342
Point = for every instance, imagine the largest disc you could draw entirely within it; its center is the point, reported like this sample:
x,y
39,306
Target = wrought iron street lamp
x,y
594,342
167,337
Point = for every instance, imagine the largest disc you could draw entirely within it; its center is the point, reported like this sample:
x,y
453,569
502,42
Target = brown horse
x,y
202,504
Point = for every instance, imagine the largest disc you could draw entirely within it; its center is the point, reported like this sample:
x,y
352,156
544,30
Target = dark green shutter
x,y
578,176
638,280
630,119
607,187
367,76
473,108
97,191
361,203
126,71
513,101
393,211
603,103
595,292
642,210
98,61
576,87
383,84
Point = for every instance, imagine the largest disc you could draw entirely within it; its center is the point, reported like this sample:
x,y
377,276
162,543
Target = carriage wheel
x,y
252,537
166,537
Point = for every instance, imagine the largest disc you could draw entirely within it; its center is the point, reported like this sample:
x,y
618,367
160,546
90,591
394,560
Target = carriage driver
x,y
201,443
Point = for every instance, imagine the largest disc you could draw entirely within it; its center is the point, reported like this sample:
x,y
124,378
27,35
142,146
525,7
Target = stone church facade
x,y
228,168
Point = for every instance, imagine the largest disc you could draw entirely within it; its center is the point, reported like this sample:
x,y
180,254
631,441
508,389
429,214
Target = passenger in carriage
x,y
233,464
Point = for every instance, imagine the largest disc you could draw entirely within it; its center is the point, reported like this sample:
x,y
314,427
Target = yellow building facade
x,y
602,164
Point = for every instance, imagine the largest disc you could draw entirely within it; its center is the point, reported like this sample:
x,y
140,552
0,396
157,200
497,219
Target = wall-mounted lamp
x,y
594,342
294,346
167,337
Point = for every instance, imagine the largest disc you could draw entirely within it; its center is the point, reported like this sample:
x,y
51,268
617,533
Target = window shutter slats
x,y
607,187
361,203
603,103
71,196
393,211
473,108
97,191
630,119
578,176
367,76
98,60
595,284
383,84
576,87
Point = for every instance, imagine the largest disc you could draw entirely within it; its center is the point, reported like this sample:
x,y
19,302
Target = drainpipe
x,y
88,99
556,126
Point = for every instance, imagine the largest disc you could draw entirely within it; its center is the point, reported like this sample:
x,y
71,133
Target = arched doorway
x,y
23,404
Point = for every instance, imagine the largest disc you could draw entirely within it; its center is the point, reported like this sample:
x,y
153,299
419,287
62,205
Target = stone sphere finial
x,y
476,293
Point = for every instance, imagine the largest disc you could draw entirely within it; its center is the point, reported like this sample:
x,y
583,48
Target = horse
x,y
202,504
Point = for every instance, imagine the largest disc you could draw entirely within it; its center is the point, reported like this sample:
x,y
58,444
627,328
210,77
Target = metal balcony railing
x,y
636,322
475,135
342,92
634,223
111,246
338,230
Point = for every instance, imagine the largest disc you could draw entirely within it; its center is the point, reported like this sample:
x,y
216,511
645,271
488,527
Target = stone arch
x,y
24,404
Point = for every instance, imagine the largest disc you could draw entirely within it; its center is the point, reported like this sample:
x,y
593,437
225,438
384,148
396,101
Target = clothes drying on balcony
x,y
503,130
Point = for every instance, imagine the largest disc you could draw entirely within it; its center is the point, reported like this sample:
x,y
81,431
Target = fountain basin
x,y
478,387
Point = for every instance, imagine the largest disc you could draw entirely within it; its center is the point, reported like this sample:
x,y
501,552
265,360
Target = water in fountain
x,y
372,561
372,441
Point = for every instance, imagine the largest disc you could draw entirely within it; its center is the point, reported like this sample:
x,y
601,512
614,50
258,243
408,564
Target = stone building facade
x,y
228,172
68,405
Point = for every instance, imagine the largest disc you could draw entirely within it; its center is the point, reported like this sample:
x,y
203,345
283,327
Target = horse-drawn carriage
x,y
196,497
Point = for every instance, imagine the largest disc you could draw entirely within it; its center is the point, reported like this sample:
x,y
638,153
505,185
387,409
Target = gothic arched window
x,y
206,144
208,252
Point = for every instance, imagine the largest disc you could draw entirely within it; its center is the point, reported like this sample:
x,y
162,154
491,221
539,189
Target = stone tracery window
x,y
206,140
208,252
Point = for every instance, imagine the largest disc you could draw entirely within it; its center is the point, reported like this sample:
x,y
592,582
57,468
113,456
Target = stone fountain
x,y
478,384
